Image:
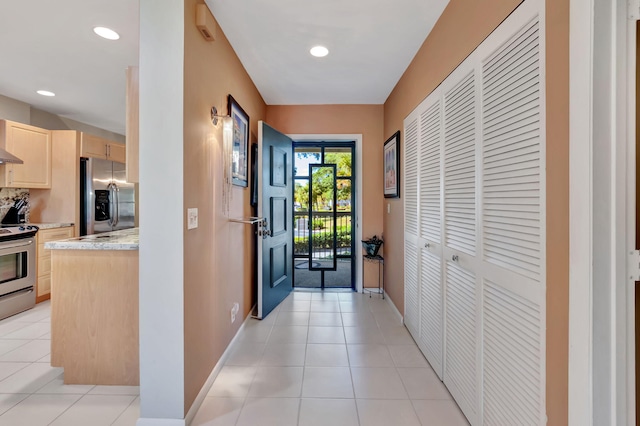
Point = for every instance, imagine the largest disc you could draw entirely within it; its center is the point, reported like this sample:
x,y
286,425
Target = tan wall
x,y
459,31
217,255
46,120
345,119
461,28
557,56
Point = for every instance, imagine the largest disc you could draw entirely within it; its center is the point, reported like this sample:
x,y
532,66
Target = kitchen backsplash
x,y
8,196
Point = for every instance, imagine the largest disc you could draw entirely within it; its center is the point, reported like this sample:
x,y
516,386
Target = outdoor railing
x,y
321,228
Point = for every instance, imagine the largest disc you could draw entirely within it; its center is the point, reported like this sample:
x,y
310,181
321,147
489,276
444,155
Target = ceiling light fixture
x,y
319,51
107,33
45,93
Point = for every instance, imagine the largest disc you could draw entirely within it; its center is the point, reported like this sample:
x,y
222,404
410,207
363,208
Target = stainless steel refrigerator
x,y
107,201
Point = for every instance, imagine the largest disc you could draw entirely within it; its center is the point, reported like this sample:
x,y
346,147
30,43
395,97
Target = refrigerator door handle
x,y
112,201
116,207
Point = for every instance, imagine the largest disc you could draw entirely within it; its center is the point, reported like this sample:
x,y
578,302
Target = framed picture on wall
x,y
240,143
392,166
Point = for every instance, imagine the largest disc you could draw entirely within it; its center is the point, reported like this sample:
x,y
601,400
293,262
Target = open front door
x,y
275,236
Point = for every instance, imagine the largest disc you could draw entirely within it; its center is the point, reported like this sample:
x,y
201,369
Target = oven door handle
x,y
25,244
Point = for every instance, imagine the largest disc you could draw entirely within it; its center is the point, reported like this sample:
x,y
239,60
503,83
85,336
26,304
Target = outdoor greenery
x,y
321,200
324,240
322,197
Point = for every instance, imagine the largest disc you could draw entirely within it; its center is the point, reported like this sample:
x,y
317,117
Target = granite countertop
x,y
127,239
50,225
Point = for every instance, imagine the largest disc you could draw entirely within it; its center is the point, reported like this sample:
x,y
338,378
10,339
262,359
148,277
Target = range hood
x,y
7,157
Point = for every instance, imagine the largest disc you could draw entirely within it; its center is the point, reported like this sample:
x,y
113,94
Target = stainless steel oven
x,y
17,269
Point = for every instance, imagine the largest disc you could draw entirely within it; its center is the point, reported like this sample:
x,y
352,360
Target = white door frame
x,y
341,138
602,201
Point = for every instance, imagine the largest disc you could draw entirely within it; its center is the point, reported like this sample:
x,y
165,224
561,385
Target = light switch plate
x,y
388,208
192,218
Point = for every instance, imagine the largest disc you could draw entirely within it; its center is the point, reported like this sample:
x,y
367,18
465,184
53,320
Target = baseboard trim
x,y
197,403
160,422
214,373
393,306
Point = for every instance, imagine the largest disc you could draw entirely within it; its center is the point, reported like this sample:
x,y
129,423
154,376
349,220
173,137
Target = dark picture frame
x,y
240,143
391,177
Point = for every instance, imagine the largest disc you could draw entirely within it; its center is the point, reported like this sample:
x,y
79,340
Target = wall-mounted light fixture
x,y
215,116
227,156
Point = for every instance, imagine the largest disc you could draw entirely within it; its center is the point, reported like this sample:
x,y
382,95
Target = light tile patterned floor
x,y
32,392
337,359
320,359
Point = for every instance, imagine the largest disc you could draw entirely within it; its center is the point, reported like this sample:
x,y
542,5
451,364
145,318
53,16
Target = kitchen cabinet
x,y
43,259
132,128
94,309
96,147
33,146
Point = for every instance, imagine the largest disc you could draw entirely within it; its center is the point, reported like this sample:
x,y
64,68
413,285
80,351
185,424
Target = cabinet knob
x,y
427,245
455,257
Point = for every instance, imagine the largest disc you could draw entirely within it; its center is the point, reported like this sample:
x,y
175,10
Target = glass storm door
x,y
323,235
322,217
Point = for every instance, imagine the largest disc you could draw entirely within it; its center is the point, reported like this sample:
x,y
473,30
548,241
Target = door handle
x,y
455,258
112,203
116,207
427,245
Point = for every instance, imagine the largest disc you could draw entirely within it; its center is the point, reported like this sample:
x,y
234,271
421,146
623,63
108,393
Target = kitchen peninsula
x,y
94,308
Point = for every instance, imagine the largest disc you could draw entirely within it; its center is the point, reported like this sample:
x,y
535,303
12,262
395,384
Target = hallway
x,y
319,359
327,359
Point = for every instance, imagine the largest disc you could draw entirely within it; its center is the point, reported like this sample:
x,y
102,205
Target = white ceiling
x,y
50,45
371,43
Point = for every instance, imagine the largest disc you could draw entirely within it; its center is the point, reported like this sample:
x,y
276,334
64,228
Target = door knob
x,y
427,245
454,258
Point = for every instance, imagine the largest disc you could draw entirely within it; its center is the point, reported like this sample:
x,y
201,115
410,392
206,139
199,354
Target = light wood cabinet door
x,y
93,147
132,130
33,146
43,262
97,147
116,152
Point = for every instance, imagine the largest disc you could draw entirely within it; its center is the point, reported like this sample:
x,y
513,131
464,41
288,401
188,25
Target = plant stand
x,y
380,261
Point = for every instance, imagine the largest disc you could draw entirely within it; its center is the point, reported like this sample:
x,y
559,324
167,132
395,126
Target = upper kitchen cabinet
x,y
132,130
97,147
33,146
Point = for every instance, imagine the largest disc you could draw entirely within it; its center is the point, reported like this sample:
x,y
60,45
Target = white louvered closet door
x,y
513,211
431,292
460,373
475,237
411,253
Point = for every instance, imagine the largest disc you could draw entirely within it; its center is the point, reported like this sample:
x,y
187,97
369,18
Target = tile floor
x,y
31,391
327,359
318,359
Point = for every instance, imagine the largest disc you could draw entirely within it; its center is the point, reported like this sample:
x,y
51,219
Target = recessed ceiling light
x,y
319,51
45,93
107,33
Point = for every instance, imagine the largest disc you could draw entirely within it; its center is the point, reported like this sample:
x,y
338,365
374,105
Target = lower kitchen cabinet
x,y
43,262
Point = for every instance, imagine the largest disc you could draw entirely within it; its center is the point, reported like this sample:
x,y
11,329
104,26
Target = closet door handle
x,y
455,257
427,245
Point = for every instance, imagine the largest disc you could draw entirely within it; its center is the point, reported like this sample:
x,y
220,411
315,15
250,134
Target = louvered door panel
x,y
411,283
460,365
512,358
475,187
511,155
430,128
460,170
411,178
431,326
